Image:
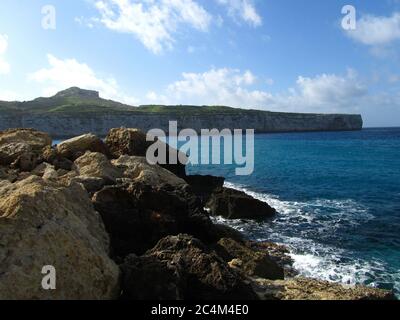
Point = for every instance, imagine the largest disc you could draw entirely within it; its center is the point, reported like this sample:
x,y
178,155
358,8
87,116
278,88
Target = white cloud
x,y
4,65
153,22
232,87
244,10
376,30
62,74
216,86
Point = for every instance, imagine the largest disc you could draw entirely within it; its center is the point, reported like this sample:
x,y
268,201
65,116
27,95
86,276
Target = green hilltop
x,y
79,101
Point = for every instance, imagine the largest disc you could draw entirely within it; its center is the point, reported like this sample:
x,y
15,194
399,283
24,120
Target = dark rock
x,y
204,186
207,276
50,155
252,262
149,278
233,204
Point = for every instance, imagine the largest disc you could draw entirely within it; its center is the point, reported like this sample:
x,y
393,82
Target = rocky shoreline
x,y
115,227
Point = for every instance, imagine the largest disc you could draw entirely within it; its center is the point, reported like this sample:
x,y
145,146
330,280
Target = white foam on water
x,y
309,220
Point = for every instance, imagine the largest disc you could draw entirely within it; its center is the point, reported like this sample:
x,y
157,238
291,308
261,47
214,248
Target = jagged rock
x,y
51,156
43,223
22,147
127,141
46,171
204,186
36,140
310,289
233,204
207,276
252,262
8,174
137,215
77,146
96,165
26,161
10,152
132,142
137,169
279,253
149,278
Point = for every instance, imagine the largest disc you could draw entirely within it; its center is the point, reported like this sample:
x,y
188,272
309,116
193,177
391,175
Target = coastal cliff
x,y
75,111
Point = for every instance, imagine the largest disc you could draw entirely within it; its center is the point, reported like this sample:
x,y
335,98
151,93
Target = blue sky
x,y
286,55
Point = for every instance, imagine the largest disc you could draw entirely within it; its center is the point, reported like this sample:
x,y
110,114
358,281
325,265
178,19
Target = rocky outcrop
x,y
43,223
191,272
254,263
311,289
76,147
233,204
97,218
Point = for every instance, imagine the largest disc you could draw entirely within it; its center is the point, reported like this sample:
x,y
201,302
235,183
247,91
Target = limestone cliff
x,y
75,111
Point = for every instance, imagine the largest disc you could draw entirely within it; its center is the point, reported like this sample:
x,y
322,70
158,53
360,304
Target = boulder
x,y
132,142
97,165
149,278
233,204
50,155
8,174
127,141
43,223
252,262
77,146
204,186
36,140
311,289
206,275
26,161
11,152
137,169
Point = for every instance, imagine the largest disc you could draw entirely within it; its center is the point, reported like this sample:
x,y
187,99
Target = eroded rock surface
x,y
43,223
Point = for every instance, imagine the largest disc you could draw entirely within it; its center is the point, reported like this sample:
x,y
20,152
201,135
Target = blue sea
x,y
338,200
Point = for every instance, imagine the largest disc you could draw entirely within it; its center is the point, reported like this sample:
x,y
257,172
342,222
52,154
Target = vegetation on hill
x,y
79,101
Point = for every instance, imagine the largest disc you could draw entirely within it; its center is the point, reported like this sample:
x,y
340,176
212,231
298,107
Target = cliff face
x,y
64,125
75,111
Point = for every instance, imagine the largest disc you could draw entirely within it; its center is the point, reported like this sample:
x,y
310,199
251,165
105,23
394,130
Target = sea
x,y
338,200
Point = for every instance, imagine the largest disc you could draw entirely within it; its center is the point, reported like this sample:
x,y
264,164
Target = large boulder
x,y
233,204
204,275
138,169
43,223
77,146
36,140
310,289
133,142
252,262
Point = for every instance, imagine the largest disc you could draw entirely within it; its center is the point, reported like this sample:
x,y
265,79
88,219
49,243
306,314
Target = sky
x,y
278,55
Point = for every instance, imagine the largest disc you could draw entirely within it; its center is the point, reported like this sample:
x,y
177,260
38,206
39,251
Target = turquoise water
x,y
338,198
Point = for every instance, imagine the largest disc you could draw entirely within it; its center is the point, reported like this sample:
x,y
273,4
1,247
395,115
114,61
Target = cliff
x,y
75,111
